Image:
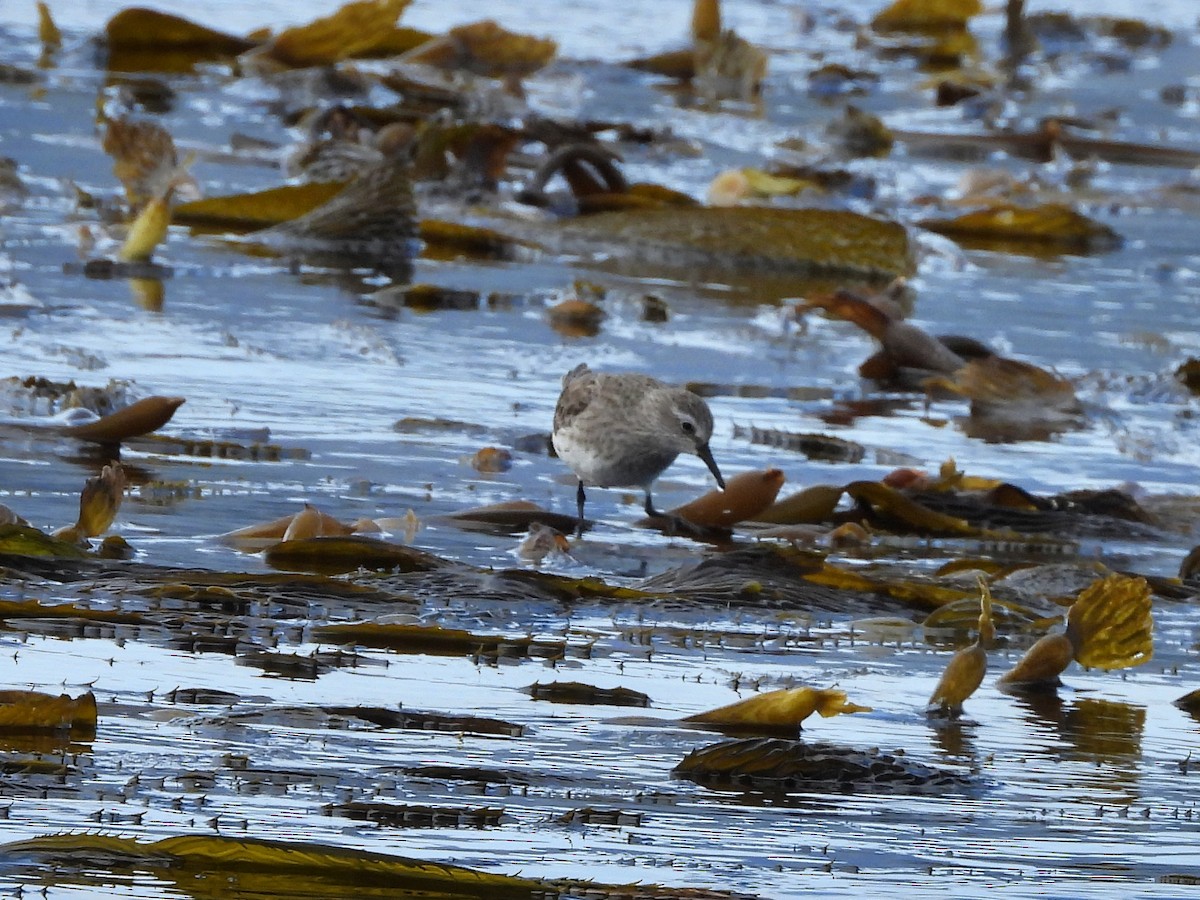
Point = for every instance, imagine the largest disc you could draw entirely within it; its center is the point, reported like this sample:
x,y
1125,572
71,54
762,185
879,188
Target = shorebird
x,y
623,430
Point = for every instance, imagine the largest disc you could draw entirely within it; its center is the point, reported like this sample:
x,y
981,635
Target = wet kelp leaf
x,y
1110,625
309,522
138,418
745,496
272,868
452,240
334,555
23,540
799,241
435,640
511,517
892,507
1190,703
1050,225
1041,664
917,594
31,711
260,209
577,692
98,504
814,504
926,15
780,711
964,673
355,30
147,231
149,30
485,48
782,765
343,717
32,609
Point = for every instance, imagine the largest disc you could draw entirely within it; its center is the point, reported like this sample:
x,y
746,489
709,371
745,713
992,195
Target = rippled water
x,y
1088,795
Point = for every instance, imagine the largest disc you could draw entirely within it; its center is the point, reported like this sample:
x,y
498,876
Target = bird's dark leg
x,y
580,497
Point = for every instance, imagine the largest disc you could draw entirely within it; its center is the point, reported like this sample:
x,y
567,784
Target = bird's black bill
x,y
705,454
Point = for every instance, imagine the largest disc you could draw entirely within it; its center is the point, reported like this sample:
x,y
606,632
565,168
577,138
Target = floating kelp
x,y
31,711
98,504
436,640
334,555
271,868
410,815
357,29
586,694
777,712
816,503
260,209
1108,627
511,517
926,15
139,418
140,39
776,765
814,446
24,540
308,523
1049,225
745,496
813,242
964,673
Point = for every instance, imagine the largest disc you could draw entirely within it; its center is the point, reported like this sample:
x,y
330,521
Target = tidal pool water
x,y
1089,792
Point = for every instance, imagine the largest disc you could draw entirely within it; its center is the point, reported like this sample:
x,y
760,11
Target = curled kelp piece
x,y
1109,626
26,712
780,765
964,673
98,504
1052,226
334,555
814,504
745,496
141,417
309,522
777,712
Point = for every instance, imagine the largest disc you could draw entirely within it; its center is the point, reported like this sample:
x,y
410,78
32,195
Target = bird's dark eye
x,y
688,427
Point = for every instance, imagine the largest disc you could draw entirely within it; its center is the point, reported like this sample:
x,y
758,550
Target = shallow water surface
x,y
376,411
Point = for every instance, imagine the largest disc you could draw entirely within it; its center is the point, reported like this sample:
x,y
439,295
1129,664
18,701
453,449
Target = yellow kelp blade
x,y
274,868
146,232
926,15
782,710
1050,225
355,29
1110,624
966,669
249,212
1042,663
100,499
30,711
